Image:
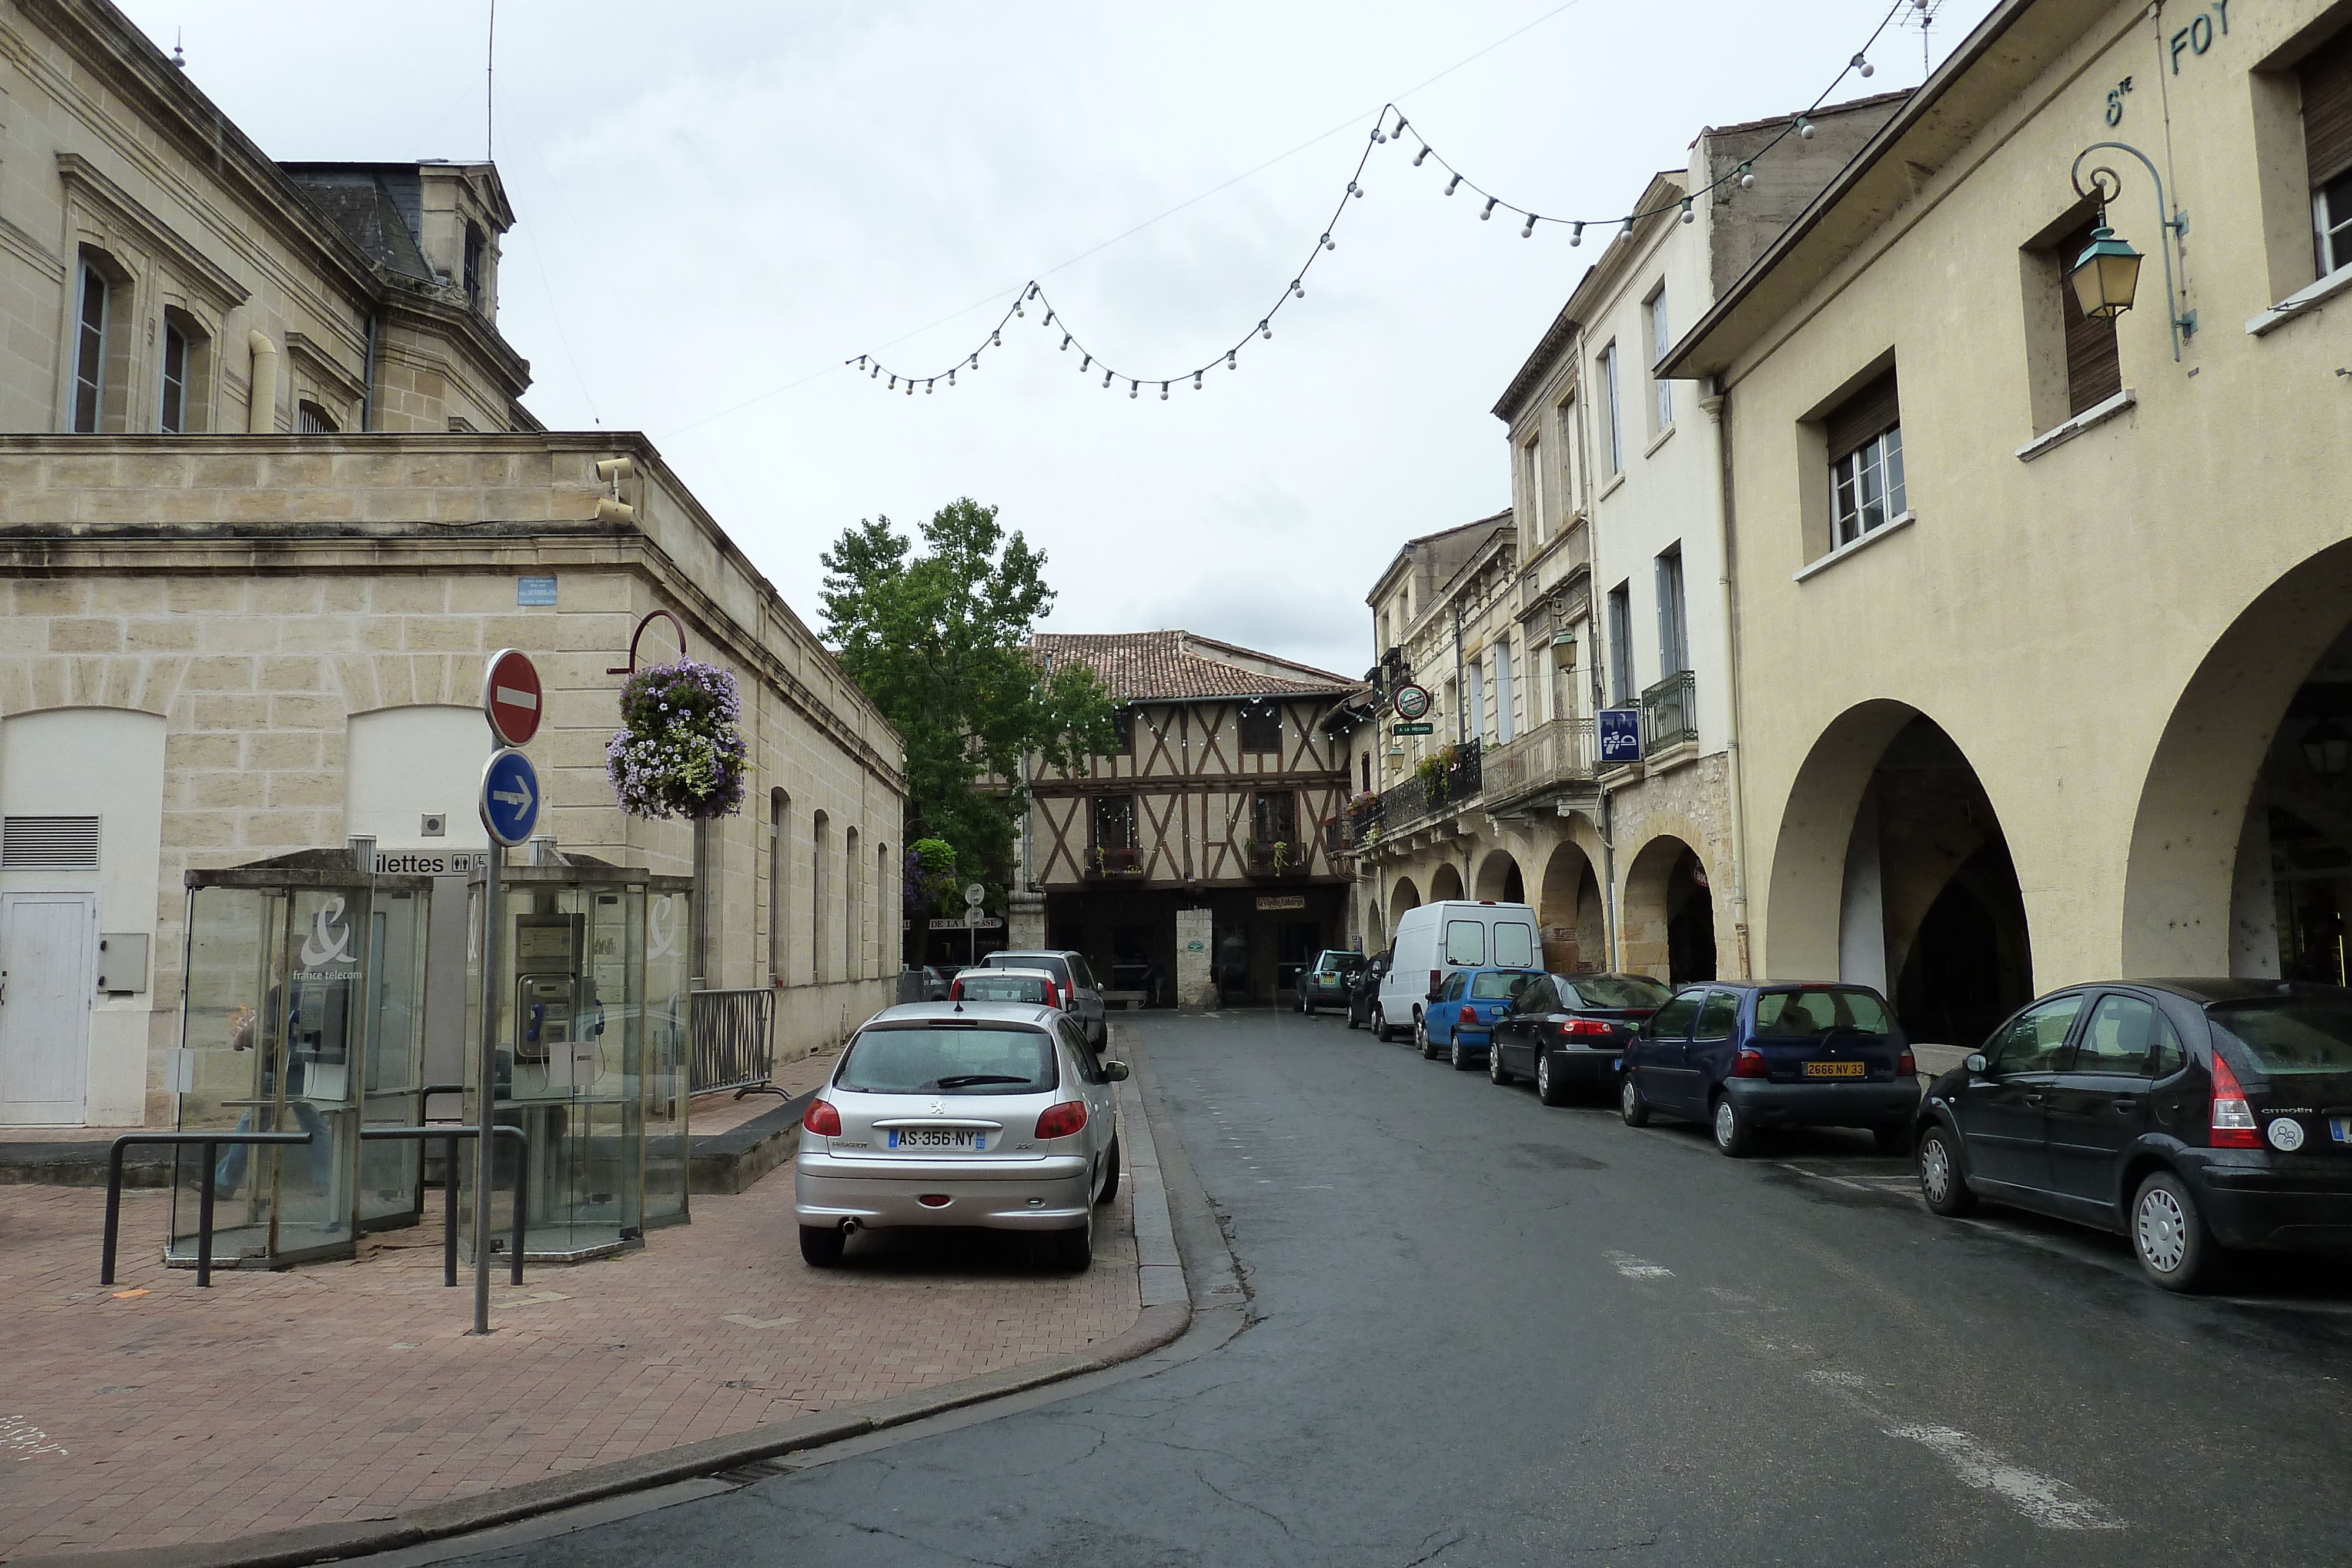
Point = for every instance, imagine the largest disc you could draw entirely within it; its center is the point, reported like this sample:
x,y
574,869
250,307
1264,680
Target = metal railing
x,y
1461,781
732,1039
1558,751
1107,865
212,1142
1670,712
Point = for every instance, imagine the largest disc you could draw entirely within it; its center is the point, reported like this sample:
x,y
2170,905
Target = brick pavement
x,y
154,1413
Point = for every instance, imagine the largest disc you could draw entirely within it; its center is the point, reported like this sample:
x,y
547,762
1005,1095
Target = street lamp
x,y
2327,749
2106,275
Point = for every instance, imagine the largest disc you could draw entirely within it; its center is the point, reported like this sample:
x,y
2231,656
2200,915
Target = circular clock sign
x,y
1412,702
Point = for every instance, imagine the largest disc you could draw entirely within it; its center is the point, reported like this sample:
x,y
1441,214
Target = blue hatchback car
x,y
1761,1053
1459,1020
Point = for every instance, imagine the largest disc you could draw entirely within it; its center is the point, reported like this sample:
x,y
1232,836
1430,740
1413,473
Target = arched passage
x,y
1445,881
1891,871
1668,913
1402,897
1499,878
1569,911
2235,850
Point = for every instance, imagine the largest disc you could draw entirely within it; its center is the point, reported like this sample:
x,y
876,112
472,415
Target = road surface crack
x,y
1242,1503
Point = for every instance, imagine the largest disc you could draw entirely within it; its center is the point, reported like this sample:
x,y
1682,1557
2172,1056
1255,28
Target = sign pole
x,y
484,1137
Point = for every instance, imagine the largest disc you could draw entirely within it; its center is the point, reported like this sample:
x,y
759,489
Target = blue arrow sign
x,y
509,796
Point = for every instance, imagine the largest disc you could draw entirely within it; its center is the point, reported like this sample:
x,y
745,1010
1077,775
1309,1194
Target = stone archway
x,y
2206,889
1570,911
1666,918
1499,878
1402,897
1445,881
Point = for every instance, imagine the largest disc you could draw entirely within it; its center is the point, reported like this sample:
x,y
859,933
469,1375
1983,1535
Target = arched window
x,y
885,908
853,925
779,816
817,893
310,419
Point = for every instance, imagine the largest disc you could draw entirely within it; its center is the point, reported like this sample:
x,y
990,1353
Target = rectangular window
x,y
1465,942
89,353
1609,409
175,418
2094,371
1515,943
1476,707
1123,723
1506,719
1114,821
1261,730
1865,447
1621,645
1673,627
1274,814
1563,458
1532,468
1659,343
2326,80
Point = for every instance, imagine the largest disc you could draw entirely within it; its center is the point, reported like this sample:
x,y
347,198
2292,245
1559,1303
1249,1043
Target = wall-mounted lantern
x,y
2107,274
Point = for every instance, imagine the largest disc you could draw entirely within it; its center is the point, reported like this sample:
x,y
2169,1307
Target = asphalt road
x,y
1483,1332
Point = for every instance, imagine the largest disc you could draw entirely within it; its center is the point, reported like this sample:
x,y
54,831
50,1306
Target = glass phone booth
x,y
591,1006
304,1012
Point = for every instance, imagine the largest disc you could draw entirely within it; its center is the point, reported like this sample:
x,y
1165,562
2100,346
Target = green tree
x,y
939,642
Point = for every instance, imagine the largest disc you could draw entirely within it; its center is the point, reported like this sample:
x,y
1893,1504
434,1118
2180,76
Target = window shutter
x,y
2327,109
1861,416
48,844
2093,371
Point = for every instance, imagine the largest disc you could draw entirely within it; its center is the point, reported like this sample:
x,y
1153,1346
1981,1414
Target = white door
x,y
48,942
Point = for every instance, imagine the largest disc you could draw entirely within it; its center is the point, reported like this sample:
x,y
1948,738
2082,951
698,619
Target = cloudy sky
x,y
720,201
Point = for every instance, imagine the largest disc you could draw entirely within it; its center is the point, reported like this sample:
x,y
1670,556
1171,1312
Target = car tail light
x,y
1906,1066
1587,1027
1436,982
2232,1125
822,1118
1061,1121
1748,1063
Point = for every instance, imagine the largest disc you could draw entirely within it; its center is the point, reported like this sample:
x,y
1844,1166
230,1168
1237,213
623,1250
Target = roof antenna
x,y
179,55
490,84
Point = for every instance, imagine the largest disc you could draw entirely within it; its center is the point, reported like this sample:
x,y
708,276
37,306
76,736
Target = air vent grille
x,y
48,844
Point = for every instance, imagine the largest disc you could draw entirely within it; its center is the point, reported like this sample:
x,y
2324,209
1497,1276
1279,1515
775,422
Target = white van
x,y
1451,934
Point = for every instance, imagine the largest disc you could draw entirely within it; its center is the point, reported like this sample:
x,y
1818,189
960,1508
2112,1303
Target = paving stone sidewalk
x,y
154,1414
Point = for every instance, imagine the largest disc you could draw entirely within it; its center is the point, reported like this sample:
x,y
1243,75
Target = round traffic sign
x,y
1412,701
509,796
975,895
511,695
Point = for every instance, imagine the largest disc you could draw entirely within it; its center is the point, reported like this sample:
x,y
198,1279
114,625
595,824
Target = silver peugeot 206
x,y
993,1115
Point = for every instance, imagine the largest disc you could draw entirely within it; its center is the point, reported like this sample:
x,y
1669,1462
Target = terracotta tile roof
x,y
1171,666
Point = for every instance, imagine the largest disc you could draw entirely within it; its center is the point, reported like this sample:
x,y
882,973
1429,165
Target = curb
x,y
1167,1313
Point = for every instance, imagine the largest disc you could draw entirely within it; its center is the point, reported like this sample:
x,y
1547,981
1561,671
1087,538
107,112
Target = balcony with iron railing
x,y
1670,714
1555,753
1105,864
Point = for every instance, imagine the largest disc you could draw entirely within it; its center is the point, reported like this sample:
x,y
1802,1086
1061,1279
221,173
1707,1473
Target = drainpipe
x,y
262,407
367,397
1718,408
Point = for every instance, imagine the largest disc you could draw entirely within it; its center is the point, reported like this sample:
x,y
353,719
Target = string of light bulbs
x,y
1390,127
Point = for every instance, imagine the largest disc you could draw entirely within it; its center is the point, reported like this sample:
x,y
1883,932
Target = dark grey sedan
x,y
1568,1031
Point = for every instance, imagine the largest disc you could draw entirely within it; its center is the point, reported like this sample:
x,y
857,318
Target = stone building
x,y
266,502
1601,589
1207,828
2059,693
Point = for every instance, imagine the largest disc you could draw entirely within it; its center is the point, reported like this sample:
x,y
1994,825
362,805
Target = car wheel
x,y
1075,1249
1735,1135
1630,1105
2168,1234
1381,1030
1549,1088
1893,1140
1459,1058
821,1245
1496,1072
1421,1038
1110,1182
1941,1181
1307,1006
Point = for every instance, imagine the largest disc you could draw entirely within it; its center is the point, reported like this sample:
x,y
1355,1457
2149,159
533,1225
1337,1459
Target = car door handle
x,y
2126,1103
2032,1098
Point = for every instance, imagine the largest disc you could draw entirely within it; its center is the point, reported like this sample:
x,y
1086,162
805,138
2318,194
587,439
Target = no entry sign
x,y
511,695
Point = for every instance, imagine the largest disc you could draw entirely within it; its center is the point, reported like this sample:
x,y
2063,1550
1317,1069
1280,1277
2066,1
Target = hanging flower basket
x,y
680,752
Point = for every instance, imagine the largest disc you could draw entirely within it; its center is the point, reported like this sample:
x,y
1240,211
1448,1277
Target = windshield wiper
x,y
966,1080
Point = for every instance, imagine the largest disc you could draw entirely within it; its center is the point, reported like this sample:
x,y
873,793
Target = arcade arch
x,y
1499,879
1575,929
1445,881
1402,897
1667,924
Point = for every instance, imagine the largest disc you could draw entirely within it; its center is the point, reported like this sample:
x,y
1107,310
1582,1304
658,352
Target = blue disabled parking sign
x,y
509,796
1620,732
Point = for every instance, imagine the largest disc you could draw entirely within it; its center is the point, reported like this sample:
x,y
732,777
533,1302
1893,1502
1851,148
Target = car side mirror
x,y
1434,990
1114,1072
1977,1064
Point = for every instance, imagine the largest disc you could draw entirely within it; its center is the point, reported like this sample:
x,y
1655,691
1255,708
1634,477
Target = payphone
x,y
557,1018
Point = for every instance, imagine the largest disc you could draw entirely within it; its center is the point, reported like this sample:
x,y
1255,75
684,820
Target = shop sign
x,y
1412,702
1283,901
1620,731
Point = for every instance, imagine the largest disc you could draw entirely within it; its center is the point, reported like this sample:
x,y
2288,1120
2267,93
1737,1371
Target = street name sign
x,y
509,796
1415,728
1620,733
511,696
979,922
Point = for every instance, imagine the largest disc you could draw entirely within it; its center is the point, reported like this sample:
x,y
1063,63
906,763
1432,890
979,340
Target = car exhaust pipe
x,y
848,1228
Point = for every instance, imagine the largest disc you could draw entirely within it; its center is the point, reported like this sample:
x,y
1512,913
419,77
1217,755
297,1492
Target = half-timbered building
x,y
1215,801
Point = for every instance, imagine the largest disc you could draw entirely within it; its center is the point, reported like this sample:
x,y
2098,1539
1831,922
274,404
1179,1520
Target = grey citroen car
x,y
991,1114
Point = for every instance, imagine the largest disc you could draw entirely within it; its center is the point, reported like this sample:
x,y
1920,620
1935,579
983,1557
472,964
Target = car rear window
x,y
1515,943
1340,963
1496,988
979,986
1465,942
920,1061
1820,1009
1616,991
2288,1035
1053,965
